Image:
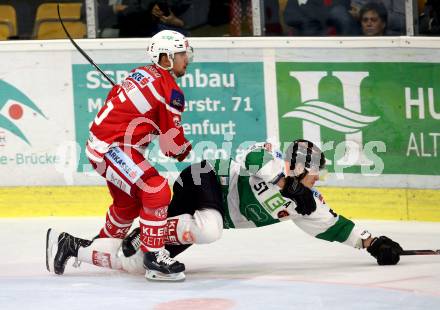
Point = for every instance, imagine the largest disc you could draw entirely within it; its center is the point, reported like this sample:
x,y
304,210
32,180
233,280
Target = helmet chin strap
x,y
170,68
302,175
298,175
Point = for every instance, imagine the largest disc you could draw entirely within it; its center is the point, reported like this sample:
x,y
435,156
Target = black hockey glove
x,y
305,202
385,250
131,242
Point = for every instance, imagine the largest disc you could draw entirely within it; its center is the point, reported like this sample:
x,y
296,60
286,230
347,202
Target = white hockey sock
x,y
102,252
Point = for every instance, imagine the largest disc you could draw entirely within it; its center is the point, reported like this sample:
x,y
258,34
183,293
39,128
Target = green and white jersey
x,y
251,198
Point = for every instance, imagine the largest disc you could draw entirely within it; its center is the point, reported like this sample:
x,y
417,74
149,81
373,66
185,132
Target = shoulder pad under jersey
x,y
263,161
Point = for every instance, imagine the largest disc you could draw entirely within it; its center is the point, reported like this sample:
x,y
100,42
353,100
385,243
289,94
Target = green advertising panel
x,y
224,107
369,117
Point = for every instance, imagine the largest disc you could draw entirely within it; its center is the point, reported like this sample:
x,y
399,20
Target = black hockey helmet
x,y
304,157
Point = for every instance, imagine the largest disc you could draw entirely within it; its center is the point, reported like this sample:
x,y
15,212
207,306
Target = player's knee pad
x,y
205,226
210,222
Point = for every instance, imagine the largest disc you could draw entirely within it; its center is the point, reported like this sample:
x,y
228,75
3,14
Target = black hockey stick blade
x,y
420,252
90,60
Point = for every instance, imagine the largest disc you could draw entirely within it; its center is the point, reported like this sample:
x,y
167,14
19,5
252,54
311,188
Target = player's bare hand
x,y
171,20
157,12
354,11
119,8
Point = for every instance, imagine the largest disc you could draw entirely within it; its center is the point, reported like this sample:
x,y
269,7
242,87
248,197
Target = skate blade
x,y
51,247
153,275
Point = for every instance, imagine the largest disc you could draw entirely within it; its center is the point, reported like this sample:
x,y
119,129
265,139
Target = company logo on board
x,y
317,114
12,104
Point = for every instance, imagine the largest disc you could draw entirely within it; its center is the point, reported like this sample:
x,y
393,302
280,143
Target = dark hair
x,y
163,6
435,4
377,7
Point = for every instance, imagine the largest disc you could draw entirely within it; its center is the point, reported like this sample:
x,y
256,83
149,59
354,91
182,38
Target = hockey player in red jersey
x,y
148,104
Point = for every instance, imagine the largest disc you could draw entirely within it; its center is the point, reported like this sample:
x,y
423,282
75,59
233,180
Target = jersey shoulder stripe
x,y
160,87
136,96
155,93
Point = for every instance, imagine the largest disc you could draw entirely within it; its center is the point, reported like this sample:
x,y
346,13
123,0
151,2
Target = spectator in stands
x,y
109,11
164,18
395,10
139,18
429,22
319,17
151,17
272,22
373,17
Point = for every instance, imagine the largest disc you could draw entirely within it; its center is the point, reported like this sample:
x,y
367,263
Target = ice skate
x,y
161,267
59,248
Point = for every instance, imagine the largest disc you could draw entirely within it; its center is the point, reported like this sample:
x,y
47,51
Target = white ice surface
x,y
276,267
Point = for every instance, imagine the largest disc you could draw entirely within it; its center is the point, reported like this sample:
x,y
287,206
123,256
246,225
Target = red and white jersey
x,y
147,104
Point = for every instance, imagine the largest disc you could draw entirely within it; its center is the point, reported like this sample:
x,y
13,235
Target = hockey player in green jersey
x,y
264,187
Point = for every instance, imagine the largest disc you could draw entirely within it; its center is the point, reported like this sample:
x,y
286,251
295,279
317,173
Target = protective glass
x,y
190,53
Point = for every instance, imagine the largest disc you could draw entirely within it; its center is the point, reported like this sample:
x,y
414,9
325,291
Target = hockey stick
x,y
90,60
420,252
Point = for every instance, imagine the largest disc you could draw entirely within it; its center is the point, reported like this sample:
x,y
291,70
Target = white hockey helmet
x,y
168,42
